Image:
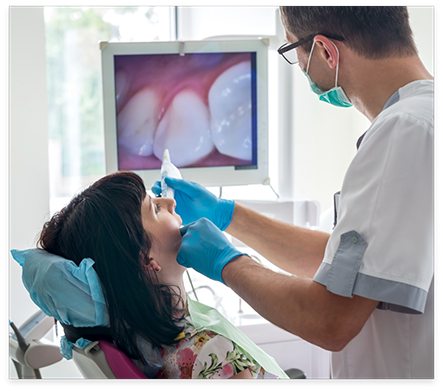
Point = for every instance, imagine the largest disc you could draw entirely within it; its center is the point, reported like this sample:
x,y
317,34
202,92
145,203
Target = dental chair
x,y
102,360
29,352
72,294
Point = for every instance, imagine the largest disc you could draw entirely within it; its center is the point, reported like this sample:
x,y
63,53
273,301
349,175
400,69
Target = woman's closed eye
x,y
157,208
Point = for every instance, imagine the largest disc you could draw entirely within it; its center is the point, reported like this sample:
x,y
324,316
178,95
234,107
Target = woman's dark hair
x,y
104,223
372,32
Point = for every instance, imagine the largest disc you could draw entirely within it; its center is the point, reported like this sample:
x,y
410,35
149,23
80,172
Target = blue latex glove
x,y
195,202
206,249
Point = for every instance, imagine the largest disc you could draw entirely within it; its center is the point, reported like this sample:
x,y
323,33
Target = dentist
x,y
366,291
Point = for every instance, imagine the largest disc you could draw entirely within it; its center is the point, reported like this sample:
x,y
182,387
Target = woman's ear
x,y
151,265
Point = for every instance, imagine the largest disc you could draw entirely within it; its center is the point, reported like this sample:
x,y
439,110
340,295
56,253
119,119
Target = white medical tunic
x,y
382,245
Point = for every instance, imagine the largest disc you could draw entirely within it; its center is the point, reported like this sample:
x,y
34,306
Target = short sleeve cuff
x,y
343,277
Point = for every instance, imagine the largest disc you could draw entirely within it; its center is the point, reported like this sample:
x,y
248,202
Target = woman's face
x,y
162,225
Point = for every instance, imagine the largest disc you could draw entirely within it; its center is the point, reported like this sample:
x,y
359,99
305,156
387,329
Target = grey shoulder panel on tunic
x,y
342,277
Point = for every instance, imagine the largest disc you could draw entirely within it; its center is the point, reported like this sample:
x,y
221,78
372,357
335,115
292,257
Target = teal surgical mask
x,y
335,96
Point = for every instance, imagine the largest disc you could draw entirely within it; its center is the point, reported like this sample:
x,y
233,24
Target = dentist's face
x,y
319,72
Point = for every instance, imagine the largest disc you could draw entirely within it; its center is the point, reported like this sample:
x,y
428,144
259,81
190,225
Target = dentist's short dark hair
x,y
372,32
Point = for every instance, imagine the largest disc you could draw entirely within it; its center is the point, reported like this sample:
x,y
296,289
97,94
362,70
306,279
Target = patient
x,y
133,240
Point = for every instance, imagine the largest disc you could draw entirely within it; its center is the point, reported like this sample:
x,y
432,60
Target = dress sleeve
x,y
219,358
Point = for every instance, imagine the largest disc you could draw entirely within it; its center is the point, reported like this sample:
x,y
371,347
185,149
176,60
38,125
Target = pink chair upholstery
x,y
119,363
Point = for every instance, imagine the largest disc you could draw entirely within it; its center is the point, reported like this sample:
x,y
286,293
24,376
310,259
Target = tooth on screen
x,y
137,121
184,130
230,108
121,87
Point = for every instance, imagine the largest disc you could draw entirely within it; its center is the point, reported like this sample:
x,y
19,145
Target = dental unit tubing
x,y
168,170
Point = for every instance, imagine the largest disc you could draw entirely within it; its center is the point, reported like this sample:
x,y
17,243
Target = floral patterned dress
x,y
206,355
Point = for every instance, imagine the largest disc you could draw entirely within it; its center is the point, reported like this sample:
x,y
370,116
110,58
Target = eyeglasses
x,y
291,55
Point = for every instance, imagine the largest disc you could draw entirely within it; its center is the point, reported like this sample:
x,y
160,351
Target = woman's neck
x,y
177,285
182,292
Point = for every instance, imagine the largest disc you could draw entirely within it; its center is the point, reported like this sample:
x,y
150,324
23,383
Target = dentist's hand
x,y
195,202
206,249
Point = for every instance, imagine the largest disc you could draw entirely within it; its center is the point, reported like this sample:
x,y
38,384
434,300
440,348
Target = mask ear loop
x,y
310,55
338,62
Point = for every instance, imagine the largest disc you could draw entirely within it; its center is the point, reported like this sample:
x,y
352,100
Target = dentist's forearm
x,y
281,305
298,304
295,249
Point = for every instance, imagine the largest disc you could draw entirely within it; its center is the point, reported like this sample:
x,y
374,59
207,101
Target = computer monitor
x,y
205,101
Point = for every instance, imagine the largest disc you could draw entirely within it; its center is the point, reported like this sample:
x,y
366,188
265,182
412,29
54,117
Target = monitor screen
x,y
202,101
200,106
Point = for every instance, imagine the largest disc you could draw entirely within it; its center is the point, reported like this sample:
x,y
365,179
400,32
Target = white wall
x,y
203,22
28,161
422,24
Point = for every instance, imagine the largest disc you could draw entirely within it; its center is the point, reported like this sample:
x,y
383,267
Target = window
x,y
75,113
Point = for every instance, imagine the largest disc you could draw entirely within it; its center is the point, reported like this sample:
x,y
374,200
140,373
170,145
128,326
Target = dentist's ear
x,y
329,51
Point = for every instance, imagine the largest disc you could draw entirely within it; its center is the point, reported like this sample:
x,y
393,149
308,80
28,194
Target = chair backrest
x,y
122,366
102,360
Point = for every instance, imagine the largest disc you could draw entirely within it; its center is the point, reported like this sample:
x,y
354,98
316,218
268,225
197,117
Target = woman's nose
x,y
169,204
